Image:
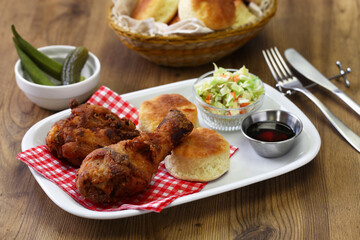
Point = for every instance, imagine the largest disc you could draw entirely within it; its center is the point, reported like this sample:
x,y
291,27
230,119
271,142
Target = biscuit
x,y
161,10
153,111
175,19
215,14
202,156
243,14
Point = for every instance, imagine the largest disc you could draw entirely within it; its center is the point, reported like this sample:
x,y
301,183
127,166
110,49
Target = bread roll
x,y
153,111
161,10
243,14
175,19
202,156
215,14
257,2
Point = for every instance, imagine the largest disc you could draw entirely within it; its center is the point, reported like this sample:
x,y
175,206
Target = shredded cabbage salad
x,y
230,90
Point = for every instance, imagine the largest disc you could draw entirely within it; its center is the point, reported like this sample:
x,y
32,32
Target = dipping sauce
x,y
270,131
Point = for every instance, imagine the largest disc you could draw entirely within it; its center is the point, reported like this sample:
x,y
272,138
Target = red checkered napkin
x,y
108,98
162,191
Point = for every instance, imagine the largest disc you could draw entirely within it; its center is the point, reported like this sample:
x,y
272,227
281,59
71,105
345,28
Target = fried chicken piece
x,y
87,128
121,170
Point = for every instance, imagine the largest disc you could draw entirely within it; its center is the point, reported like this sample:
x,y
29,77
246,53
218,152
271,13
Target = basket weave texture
x,y
191,50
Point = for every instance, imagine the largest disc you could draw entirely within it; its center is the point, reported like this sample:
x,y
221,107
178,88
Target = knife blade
x,y
300,64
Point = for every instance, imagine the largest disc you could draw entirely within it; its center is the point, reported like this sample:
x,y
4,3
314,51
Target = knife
x,y
310,72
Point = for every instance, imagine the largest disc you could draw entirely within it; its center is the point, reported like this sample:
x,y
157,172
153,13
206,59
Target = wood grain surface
x,y
320,200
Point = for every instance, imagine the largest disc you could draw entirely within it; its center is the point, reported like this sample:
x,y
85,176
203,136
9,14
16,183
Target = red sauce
x,y
270,131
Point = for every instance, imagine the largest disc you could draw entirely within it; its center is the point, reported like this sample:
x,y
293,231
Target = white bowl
x,y
58,97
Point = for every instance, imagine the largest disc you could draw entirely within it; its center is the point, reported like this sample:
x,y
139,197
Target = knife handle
x,y
349,101
344,130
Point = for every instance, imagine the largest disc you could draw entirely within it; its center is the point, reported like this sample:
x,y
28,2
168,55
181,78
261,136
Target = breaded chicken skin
x,y
87,128
121,170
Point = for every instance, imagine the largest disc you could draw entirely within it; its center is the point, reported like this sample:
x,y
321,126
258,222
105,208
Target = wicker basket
x,y
181,51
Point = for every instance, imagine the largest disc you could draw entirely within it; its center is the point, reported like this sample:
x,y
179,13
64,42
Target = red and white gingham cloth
x,y
162,191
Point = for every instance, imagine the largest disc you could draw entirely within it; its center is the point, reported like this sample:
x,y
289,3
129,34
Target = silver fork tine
x,y
267,60
283,63
275,66
272,70
281,70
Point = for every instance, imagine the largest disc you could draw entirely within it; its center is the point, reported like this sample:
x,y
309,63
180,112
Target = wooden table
x,y
320,200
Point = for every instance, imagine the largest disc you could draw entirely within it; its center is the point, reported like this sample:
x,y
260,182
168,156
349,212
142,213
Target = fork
x,y
287,80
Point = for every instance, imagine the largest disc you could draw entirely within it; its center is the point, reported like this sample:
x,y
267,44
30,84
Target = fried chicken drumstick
x,y
87,128
121,170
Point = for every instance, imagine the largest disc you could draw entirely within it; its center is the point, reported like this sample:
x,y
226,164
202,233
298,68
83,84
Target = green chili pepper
x,y
73,64
31,68
48,65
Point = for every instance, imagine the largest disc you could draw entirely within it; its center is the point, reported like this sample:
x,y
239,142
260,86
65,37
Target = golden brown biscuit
x,y
243,14
175,19
215,14
257,2
161,10
153,111
202,156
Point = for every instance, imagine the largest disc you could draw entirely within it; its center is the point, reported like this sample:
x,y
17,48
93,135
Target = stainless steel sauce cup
x,y
277,148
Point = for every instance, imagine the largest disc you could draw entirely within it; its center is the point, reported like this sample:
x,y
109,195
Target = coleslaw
x,y
230,90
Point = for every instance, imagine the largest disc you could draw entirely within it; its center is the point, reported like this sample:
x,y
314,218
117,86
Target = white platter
x,y
246,166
